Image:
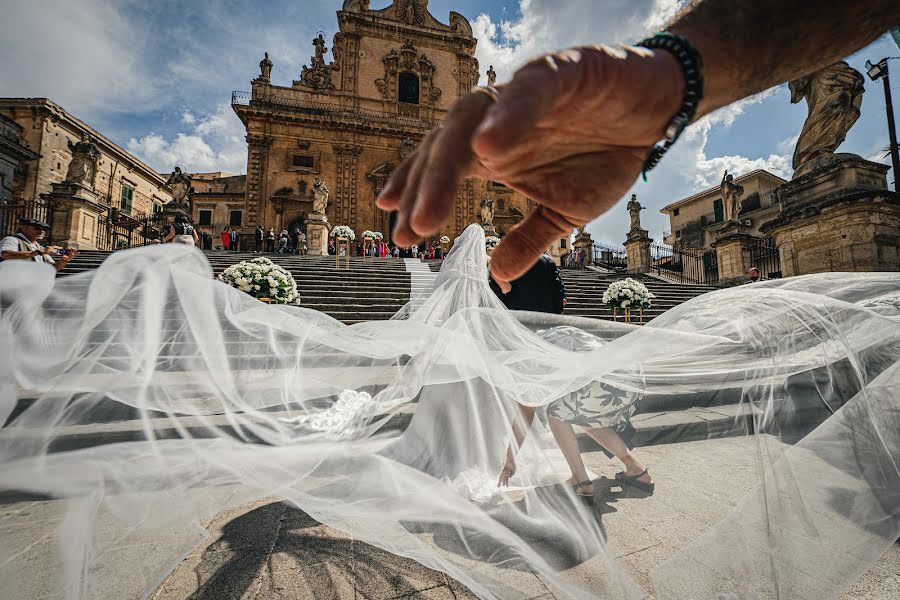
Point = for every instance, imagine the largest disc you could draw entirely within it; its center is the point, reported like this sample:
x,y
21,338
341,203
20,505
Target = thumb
x,y
525,243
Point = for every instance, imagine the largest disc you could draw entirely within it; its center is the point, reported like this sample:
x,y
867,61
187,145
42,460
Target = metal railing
x,y
118,232
610,256
11,212
684,265
764,256
283,103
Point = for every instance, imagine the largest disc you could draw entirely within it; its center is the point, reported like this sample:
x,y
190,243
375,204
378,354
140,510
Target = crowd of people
x,y
382,249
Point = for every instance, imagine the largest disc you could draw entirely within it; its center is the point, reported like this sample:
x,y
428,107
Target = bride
x,y
143,410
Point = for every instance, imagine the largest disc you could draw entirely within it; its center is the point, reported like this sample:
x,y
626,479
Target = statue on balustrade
x,y
731,197
180,184
491,75
265,68
487,210
320,196
634,210
85,156
834,97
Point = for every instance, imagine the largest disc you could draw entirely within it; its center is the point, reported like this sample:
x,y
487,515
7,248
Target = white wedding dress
x,y
204,399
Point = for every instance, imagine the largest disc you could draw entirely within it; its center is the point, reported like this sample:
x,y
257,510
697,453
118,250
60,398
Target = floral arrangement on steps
x,y
372,235
262,279
445,239
491,241
344,232
627,294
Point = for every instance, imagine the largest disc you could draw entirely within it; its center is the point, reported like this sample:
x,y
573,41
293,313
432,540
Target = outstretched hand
x,y
570,131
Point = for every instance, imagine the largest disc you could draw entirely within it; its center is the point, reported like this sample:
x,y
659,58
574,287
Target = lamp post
x,y
878,71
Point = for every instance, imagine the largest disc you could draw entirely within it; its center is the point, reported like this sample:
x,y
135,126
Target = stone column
x,y
733,252
76,215
637,247
316,234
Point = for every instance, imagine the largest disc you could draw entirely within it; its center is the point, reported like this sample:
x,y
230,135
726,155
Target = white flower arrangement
x,y
445,239
627,293
379,235
344,232
261,278
491,241
368,234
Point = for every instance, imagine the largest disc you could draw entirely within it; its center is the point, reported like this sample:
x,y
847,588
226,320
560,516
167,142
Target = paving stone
x,y
324,581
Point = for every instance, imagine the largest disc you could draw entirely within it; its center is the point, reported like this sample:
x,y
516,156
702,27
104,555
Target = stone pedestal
x,y
838,217
583,240
76,215
317,234
637,248
733,252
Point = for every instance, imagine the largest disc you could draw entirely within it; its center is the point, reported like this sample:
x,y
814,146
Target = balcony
x,y
407,119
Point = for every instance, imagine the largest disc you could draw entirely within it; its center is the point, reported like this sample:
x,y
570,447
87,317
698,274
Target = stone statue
x,y
320,196
83,168
487,210
317,76
319,44
834,96
356,6
731,197
491,75
265,68
180,184
407,147
634,209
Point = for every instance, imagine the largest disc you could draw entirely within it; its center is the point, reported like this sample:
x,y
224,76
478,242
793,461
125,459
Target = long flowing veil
x,y
145,397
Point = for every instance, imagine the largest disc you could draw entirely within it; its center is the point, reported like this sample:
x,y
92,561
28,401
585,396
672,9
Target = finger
x,y
449,160
525,243
533,92
389,198
403,232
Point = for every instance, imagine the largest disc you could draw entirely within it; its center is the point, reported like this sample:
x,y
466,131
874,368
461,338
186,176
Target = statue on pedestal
x,y
83,168
180,184
491,75
487,211
634,210
265,68
731,197
834,96
318,75
320,196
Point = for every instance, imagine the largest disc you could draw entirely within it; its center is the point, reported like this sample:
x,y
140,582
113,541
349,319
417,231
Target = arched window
x,y
409,88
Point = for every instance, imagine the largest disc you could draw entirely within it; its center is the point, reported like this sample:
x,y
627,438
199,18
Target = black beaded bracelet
x,y
692,66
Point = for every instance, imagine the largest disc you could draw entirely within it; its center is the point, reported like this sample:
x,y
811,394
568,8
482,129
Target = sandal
x,y
580,484
635,482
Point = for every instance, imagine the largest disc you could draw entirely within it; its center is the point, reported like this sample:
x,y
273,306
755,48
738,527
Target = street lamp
x,y
878,71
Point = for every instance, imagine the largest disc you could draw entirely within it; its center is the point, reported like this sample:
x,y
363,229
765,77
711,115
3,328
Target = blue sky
x,y
156,77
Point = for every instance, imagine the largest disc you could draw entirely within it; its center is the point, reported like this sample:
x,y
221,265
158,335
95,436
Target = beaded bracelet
x,y
692,65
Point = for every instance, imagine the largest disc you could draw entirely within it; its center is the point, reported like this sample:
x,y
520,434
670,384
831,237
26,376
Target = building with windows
x,y
696,220
218,202
350,118
122,182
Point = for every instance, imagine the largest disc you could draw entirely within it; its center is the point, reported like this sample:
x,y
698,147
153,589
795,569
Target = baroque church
x,y
354,113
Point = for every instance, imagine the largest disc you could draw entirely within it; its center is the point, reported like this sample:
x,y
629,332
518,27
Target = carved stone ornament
x,y
407,147
356,6
408,59
317,76
412,12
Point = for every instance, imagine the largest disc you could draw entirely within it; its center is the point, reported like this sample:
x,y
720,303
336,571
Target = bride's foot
x,y
639,473
640,480
581,488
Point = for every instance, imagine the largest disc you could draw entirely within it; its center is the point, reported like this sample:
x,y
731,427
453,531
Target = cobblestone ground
x,y
268,550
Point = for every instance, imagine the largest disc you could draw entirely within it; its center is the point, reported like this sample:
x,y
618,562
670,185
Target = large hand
x,y
571,131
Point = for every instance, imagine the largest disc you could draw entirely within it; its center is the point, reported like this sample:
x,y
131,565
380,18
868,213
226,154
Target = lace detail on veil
x,y
345,418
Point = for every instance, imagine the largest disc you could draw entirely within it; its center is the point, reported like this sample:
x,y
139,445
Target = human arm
x,y
572,129
196,237
60,264
169,235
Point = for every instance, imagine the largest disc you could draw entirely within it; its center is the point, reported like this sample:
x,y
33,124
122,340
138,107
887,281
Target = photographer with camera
x,y
25,245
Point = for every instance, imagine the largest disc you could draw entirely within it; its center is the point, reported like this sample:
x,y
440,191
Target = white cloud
x,y
85,55
215,143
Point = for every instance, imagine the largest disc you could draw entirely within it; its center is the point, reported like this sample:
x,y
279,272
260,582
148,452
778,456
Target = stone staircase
x,y
375,289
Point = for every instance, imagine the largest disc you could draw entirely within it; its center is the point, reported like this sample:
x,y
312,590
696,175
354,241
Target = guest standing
x,y
270,240
225,236
235,240
258,236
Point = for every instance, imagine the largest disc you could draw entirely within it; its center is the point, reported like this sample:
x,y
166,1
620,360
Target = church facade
x,y
354,113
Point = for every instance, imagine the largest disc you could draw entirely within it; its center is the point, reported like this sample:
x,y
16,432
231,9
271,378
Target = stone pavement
x,y
268,550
